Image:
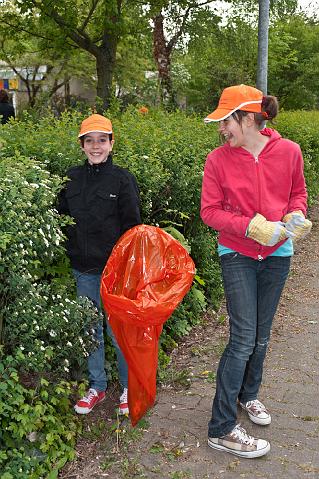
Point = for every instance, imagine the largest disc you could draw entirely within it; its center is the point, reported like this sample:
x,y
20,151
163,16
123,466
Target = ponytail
x,y
269,110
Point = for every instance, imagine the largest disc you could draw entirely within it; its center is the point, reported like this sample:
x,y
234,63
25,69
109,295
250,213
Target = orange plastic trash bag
x,y
144,280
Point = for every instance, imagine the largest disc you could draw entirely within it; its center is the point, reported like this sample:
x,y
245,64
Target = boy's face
x,y
97,147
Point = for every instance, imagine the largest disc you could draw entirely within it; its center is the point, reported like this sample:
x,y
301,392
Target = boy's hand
x,y
297,226
267,233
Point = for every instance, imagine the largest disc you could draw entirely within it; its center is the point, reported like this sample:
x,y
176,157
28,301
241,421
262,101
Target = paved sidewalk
x,y
175,444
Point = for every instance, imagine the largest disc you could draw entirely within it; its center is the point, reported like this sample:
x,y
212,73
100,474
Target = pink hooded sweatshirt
x,y
236,186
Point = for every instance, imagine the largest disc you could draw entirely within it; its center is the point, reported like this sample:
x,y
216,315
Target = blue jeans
x,y
89,285
252,289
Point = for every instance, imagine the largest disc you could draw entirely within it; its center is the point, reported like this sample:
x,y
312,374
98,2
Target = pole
x,y
263,30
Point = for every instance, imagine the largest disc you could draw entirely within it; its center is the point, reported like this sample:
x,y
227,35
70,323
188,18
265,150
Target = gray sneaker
x,y
257,412
239,443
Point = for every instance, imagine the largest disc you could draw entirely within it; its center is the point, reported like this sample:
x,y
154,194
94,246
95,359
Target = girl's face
x,y
97,147
232,131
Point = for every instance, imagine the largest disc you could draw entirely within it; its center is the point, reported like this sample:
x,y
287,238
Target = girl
x,y
254,194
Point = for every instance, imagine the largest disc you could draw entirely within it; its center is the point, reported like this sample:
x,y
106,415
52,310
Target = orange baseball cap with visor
x,y
238,97
96,123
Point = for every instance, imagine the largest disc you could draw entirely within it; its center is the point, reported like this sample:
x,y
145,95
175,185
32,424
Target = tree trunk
x,y
263,29
105,63
162,56
67,95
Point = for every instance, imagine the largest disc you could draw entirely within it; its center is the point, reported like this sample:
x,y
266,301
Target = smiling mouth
x,y
227,136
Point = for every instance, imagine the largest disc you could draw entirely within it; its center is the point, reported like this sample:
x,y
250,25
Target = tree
x,y
170,24
38,66
95,26
220,53
294,62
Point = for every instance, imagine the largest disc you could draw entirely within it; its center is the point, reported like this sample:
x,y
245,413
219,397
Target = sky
x,y
309,5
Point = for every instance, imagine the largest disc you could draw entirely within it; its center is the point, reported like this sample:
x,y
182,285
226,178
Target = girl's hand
x,y
267,233
297,226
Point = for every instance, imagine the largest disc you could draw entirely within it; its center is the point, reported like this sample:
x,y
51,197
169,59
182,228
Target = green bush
x,y
46,329
38,313
302,127
166,152
45,324
50,140
38,430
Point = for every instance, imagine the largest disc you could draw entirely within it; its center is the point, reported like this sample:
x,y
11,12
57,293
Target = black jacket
x,y
6,112
104,202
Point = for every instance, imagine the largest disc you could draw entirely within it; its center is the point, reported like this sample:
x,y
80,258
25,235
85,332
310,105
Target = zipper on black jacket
x,y
86,254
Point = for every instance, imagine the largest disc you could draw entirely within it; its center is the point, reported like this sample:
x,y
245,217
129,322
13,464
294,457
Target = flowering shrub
x,y
46,330
51,331
40,315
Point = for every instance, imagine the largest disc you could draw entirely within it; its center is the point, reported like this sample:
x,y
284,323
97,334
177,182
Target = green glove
x,y
267,233
297,226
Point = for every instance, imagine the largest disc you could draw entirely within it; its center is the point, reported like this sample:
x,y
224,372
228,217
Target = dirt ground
x,y
171,442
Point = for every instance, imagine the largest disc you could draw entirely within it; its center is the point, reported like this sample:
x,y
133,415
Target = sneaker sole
x,y
86,410
256,420
244,454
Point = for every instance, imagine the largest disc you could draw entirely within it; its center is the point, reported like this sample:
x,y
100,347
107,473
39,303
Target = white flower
x,y
52,333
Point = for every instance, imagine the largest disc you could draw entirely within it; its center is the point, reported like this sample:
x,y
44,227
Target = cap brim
x,y
95,131
218,115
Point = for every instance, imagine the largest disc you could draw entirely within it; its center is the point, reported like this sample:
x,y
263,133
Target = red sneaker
x,y
91,399
123,408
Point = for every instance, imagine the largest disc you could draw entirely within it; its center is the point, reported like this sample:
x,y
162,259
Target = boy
x,y
104,201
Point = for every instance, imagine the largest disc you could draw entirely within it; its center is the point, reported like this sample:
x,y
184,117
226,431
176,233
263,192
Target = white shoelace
x,y
256,405
240,433
123,398
90,395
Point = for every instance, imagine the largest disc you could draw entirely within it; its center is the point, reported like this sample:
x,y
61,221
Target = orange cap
x,y
238,97
95,123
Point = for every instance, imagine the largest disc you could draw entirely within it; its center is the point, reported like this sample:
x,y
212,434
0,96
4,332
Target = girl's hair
x,y
269,110
82,139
